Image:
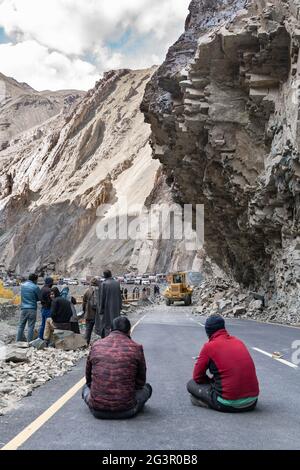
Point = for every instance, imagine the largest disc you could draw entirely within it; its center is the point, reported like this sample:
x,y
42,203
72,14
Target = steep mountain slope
x,y
224,112
56,174
65,179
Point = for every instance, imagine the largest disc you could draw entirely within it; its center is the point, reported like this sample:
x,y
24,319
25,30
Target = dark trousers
x,y
45,313
142,396
89,326
75,327
207,394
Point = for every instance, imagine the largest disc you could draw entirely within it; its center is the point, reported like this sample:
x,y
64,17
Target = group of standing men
x,y
102,302
58,309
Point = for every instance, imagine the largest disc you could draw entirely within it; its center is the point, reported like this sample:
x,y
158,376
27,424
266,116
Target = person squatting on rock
x,y
89,307
116,375
61,314
109,304
234,385
30,296
46,304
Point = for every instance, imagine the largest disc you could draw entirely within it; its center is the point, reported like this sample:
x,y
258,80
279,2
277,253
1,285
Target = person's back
x,y
109,304
234,385
45,297
61,311
112,295
118,369
231,365
90,303
116,375
30,295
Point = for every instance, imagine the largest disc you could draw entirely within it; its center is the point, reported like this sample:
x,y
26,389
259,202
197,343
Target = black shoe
x,y
198,402
148,386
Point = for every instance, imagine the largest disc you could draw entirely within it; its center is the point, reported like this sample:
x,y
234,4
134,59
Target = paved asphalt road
x,y
172,337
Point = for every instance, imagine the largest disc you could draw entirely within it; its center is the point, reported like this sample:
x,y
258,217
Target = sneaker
x,y
148,386
198,402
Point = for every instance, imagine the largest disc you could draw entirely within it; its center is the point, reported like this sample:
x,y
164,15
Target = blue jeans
x,y
46,313
30,317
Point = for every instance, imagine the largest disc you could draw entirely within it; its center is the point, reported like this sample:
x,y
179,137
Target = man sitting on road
x,y
234,385
116,375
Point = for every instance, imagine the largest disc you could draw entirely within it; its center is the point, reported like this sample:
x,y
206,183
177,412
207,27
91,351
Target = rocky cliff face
x,y
224,113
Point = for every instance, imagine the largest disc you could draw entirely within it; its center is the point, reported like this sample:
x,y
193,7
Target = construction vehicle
x,y
181,286
56,279
178,289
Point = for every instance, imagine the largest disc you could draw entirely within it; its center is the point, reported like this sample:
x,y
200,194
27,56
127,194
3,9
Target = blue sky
x,y
58,44
120,42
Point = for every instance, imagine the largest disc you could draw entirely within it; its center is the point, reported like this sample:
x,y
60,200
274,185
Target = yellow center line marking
x,y
24,435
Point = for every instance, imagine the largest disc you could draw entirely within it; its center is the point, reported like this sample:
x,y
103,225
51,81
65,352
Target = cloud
x,y
30,62
86,37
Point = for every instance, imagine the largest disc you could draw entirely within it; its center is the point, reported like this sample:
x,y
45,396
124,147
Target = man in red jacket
x,y
233,386
116,375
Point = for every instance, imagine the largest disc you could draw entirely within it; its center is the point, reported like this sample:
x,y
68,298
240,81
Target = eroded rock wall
x,y
224,113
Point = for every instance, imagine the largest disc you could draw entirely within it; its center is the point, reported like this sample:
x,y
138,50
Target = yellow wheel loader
x,y
178,289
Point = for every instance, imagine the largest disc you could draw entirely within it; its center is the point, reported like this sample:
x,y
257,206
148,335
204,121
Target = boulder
x,y
224,305
238,311
67,340
15,354
6,388
256,305
38,344
258,296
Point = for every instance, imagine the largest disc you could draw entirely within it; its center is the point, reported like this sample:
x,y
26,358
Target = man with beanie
x,y
233,386
46,304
